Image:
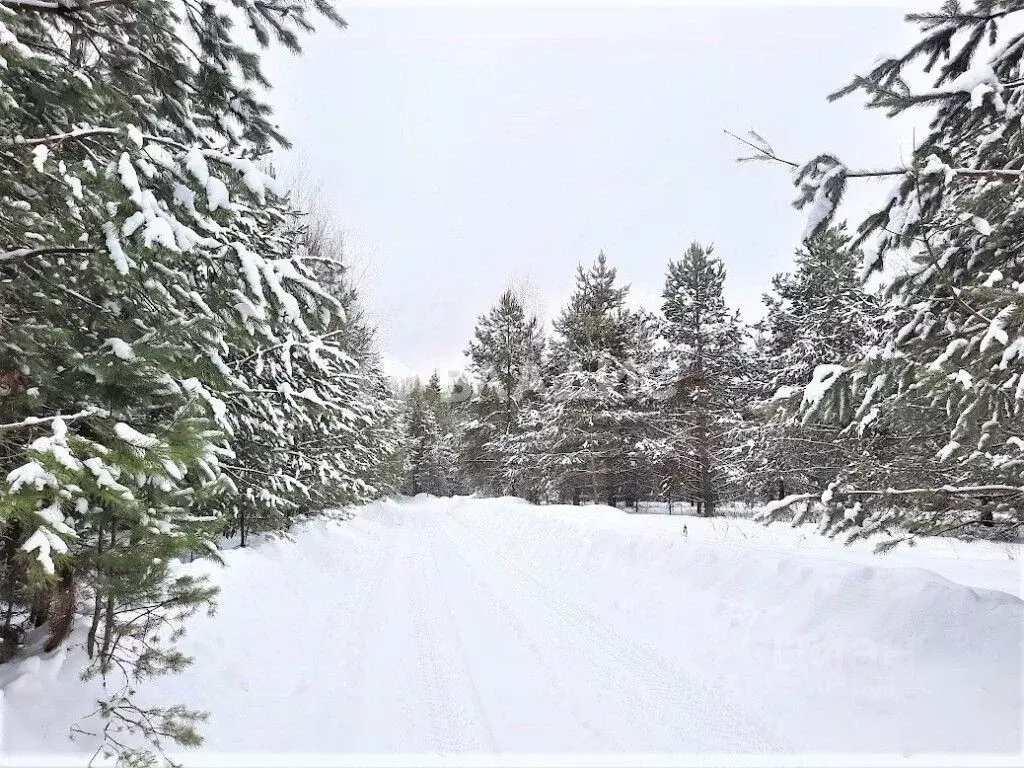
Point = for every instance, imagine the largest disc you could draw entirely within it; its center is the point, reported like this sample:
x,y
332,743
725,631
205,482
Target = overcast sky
x,y
460,147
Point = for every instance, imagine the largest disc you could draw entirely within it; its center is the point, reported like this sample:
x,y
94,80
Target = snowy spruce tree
x,y
644,444
704,380
817,315
586,418
944,243
433,457
161,331
505,358
315,418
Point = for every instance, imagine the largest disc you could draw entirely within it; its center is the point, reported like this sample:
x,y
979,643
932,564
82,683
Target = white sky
x,y
462,146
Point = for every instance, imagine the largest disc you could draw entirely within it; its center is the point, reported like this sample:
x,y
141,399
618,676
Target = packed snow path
x,y
485,656
471,626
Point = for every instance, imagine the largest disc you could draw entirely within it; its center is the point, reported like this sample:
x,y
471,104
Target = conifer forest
x,y
624,525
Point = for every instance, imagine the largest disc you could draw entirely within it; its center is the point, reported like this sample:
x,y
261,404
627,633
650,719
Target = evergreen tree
x,y
704,376
433,459
643,455
818,315
316,423
584,417
505,358
954,210
164,348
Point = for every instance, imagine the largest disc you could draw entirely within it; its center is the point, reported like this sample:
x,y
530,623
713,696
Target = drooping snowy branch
x,y
56,138
51,6
32,421
21,253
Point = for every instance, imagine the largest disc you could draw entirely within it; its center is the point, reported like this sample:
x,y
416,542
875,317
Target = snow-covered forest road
x,y
492,626
492,656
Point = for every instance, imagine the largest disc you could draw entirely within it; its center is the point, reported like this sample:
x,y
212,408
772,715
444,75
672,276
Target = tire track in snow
x,y
433,687
674,689
520,627
378,600
402,674
479,714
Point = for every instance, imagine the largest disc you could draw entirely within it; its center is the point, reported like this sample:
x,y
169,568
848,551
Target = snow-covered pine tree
x,y
643,440
705,378
150,289
946,244
448,402
585,415
433,456
505,356
817,315
315,424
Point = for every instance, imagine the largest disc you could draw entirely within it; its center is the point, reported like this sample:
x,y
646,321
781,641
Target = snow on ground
x,y
489,627
983,564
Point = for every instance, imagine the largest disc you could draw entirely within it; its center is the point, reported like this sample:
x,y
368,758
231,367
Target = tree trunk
x,y
90,640
37,611
108,619
61,612
985,516
707,491
108,631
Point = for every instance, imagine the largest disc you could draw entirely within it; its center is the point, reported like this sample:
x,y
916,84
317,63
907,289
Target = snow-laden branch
x,y
764,151
77,133
769,155
31,421
264,350
785,503
35,5
82,133
322,259
49,6
780,505
951,490
19,253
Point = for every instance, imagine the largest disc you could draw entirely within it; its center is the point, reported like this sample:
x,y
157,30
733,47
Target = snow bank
x,y
269,593
979,564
